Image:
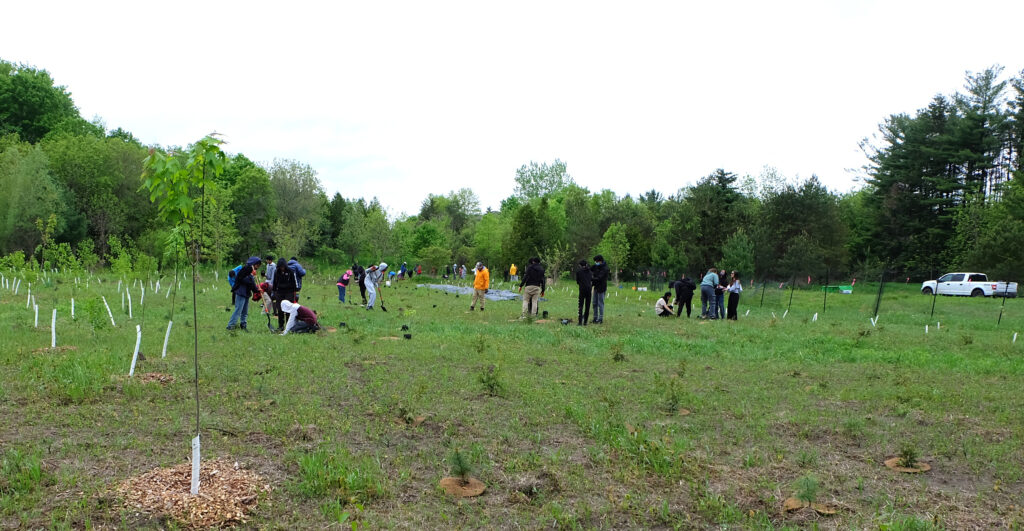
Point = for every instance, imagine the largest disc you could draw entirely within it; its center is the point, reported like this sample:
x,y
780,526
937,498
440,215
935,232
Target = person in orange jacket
x,y
481,284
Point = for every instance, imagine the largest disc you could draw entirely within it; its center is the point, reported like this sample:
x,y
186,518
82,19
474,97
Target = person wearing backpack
x,y
300,272
243,287
285,287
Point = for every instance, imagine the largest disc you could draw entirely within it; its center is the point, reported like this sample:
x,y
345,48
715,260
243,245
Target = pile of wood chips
x,y
156,377
226,493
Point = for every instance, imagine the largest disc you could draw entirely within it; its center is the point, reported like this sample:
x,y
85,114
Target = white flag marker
x,y
53,329
785,313
195,465
748,313
938,326
135,356
773,315
112,323
1014,338
925,329
815,317
167,336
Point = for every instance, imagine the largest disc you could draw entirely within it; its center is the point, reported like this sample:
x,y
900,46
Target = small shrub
x,y
490,378
480,344
673,397
967,339
460,466
681,369
908,456
806,489
617,352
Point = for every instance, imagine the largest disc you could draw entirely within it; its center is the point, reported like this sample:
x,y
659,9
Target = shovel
x,y
380,296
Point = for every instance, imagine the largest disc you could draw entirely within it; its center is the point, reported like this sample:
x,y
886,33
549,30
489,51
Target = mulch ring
x,y
226,493
919,466
55,350
156,377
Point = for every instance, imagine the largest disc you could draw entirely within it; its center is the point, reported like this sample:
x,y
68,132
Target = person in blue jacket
x,y
245,286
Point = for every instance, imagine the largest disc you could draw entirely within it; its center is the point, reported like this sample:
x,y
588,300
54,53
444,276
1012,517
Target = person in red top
x,y
301,320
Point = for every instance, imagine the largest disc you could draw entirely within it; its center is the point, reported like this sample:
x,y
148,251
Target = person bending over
x,y
301,320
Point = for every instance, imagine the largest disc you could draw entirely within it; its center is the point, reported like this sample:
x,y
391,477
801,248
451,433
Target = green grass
x,y
328,420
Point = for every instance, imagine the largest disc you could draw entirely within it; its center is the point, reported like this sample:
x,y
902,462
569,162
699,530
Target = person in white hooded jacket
x,y
300,319
373,277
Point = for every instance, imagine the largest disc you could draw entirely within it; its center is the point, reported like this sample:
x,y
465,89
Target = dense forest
x,y
941,191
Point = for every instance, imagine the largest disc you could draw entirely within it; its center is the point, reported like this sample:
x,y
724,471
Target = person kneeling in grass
x,y
662,307
301,320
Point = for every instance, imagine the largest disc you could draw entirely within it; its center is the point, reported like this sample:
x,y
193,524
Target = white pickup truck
x,y
969,285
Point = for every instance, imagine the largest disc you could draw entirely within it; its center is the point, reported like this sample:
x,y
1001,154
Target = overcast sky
x,y
401,99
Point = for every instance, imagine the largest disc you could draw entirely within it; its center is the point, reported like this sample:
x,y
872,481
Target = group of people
x,y
713,287
280,290
279,293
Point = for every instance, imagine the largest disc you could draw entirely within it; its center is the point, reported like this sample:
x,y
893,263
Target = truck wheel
x,y
927,291
977,293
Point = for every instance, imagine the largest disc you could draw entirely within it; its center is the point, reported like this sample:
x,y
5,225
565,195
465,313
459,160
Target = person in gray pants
x,y
708,304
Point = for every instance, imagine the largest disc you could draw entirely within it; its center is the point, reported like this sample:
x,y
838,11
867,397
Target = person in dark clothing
x,y
535,284
734,289
684,294
360,274
245,286
285,287
599,271
584,280
343,282
723,283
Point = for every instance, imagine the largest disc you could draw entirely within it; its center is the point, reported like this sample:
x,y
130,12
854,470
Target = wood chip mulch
x,y
156,377
226,493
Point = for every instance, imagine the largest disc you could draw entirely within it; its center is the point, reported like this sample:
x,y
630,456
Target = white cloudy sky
x,y
401,99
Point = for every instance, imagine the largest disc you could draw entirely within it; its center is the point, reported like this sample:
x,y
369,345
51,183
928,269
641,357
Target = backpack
x,y
232,274
284,279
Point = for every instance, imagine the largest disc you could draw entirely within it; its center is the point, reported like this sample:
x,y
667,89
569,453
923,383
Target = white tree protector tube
x,y
135,356
195,465
53,329
167,336
109,314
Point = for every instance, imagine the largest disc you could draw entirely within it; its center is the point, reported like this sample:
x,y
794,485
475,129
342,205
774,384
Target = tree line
x,y
941,191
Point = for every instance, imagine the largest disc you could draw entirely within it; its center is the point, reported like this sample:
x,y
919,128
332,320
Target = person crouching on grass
x,y
662,307
481,283
301,320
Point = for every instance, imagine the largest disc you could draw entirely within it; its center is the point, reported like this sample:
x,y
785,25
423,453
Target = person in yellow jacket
x,y
512,274
481,284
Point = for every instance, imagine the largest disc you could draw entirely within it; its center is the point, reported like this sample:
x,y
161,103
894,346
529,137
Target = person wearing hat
x,y
245,286
373,277
301,320
481,283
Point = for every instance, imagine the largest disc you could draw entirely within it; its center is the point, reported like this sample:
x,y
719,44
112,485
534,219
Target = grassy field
x,y
640,422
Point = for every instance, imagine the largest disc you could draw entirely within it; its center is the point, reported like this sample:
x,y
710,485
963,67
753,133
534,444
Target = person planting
x,y
301,320
662,307
374,275
244,287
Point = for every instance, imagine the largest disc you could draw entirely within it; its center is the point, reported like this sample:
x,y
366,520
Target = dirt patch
x,y
308,432
226,493
55,350
156,377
